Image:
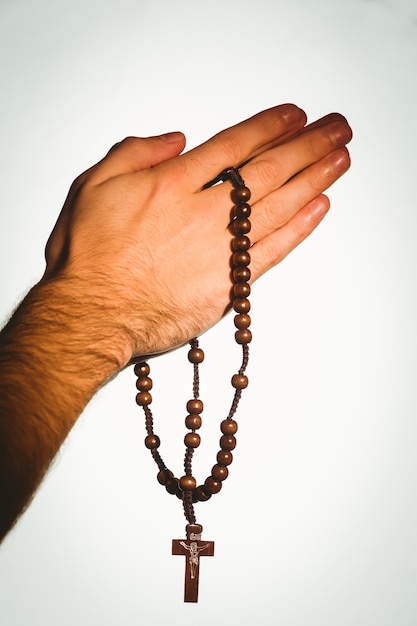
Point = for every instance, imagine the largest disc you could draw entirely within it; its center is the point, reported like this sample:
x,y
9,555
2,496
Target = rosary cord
x,y
189,451
185,488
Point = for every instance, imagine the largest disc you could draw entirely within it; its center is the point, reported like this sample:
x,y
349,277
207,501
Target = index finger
x,y
237,144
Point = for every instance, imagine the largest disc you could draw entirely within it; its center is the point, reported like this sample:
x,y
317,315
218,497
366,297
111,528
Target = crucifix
x,y
192,548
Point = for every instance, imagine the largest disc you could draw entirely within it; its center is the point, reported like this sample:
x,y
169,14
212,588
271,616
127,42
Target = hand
x,y
138,263
141,239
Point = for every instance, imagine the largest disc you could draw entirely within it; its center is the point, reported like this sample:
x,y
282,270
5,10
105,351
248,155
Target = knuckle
x,y
128,141
232,149
272,214
266,171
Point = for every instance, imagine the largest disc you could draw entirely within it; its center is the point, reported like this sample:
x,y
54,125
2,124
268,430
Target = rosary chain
x,y
186,488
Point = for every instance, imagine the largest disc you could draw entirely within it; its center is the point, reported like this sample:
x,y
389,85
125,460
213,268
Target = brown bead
x,y
219,472
144,383
242,210
163,476
228,442
241,242
142,369
240,381
212,486
242,320
241,259
172,485
193,422
193,529
143,398
241,194
152,441
241,290
195,406
202,494
224,457
192,440
243,336
196,355
187,483
241,305
241,226
241,274
228,427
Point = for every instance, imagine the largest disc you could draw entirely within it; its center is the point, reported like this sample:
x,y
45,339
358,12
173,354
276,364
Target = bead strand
x,y
241,290
185,488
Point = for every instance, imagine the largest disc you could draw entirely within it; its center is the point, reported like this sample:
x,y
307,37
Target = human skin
x,y
138,264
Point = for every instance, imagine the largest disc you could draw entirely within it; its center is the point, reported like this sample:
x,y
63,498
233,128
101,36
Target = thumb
x,y
136,153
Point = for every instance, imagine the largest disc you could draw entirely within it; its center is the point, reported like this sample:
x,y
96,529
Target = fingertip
x,y
292,114
174,137
318,208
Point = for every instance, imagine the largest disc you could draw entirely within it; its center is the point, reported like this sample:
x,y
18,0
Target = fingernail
x,y
339,161
340,133
320,207
173,137
291,113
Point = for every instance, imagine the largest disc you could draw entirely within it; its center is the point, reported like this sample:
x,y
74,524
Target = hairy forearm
x,y
55,353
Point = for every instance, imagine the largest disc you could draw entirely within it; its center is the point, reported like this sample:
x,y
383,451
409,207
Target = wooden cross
x,y
192,548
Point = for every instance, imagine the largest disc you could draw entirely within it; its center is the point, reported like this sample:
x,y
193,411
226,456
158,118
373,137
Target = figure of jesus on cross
x,y
192,548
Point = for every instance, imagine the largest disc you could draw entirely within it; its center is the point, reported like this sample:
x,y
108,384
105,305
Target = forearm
x,y
55,353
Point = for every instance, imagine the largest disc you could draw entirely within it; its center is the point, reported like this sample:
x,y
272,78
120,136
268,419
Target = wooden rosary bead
x,y
241,290
242,210
192,440
242,320
219,472
201,494
241,226
144,383
195,406
142,369
241,305
193,422
241,274
212,486
163,476
228,442
224,457
240,381
241,242
243,336
172,485
241,259
193,529
241,194
228,427
152,442
143,398
196,355
187,483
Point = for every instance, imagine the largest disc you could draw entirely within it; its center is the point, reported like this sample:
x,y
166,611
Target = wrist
x,y
70,332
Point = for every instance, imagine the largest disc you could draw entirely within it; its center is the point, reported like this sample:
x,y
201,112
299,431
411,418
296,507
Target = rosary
x,y
185,488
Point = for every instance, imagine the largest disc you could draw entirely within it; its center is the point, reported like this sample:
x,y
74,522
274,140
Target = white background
x,y
316,525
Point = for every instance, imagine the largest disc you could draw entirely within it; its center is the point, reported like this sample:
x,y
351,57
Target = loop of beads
x,y
186,487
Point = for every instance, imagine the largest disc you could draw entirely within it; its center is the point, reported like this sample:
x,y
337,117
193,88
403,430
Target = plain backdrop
x,y
316,523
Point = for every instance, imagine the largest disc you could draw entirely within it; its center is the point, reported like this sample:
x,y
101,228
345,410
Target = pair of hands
x,y
145,247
